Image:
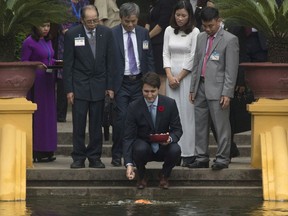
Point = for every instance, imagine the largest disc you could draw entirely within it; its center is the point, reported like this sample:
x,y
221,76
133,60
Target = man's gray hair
x,y
129,9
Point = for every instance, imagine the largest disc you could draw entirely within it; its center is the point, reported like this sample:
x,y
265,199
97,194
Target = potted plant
x,y
18,16
270,17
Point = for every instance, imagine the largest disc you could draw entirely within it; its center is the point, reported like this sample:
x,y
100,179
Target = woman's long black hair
x,y
188,27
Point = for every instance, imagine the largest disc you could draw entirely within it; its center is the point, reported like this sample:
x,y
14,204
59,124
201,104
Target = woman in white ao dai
x,y
178,54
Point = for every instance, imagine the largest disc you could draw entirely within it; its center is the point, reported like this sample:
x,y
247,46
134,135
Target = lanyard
x,y
77,13
46,47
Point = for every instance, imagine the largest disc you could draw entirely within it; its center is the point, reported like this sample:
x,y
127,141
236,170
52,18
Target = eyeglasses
x,y
93,21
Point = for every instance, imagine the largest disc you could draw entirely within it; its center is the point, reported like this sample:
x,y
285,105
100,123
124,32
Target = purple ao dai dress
x,y
43,94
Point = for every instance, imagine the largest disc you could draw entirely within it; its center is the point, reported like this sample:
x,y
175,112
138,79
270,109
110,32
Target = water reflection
x,y
13,209
63,206
272,208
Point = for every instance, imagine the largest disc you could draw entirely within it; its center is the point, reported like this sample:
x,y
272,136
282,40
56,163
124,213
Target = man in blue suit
x,y
134,58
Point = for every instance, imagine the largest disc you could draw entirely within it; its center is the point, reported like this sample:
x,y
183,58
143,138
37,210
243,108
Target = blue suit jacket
x,y
145,55
139,124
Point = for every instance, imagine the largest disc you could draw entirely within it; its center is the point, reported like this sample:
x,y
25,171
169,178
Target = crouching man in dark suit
x,y
151,114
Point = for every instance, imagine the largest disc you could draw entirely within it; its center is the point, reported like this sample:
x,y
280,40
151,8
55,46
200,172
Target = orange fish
x,y
142,201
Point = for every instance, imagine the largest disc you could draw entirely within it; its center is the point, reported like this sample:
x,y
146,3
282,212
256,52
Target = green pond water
x,y
64,206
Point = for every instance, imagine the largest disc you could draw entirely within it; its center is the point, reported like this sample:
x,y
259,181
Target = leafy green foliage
x,y
19,38
20,15
264,15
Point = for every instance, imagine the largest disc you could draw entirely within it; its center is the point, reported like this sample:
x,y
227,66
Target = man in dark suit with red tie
x,y
140,122
134,58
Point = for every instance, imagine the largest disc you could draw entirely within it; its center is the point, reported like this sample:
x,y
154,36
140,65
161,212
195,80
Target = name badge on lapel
x,y
145,45
79,41
214,56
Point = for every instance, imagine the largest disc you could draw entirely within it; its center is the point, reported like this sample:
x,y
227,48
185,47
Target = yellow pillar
x,y
13,163
266,114
18,112
274,148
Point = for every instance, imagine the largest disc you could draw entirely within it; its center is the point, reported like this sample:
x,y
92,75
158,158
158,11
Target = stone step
x,y
240,139
245,150
116,177
56,178
64,147
151,193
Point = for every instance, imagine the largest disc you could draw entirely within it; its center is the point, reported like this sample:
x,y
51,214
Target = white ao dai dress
x,y
178,54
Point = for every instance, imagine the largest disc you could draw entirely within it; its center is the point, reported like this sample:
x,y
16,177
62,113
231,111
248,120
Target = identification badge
x,y
79,41
214,56
145,45
49,70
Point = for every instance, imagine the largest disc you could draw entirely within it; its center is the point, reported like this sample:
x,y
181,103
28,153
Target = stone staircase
x,y
57,179
65,144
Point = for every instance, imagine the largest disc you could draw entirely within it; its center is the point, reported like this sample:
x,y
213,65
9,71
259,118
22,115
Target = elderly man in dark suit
x,y
88,57
151,114
134,58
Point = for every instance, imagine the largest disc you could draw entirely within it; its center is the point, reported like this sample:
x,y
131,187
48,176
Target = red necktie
x,y
210,43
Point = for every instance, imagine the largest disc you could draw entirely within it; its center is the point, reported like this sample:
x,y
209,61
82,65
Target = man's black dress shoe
x,y
77,165
116,162
219,166
187,161
96,164
198,164
234,152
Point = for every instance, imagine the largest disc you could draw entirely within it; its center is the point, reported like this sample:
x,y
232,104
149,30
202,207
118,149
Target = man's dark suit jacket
x,y
88,77
139,123
145,56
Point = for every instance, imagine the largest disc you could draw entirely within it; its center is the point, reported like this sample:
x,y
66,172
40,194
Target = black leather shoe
x,y
188,160
234,153
198,164
77,165
96,164
116,162
219,166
